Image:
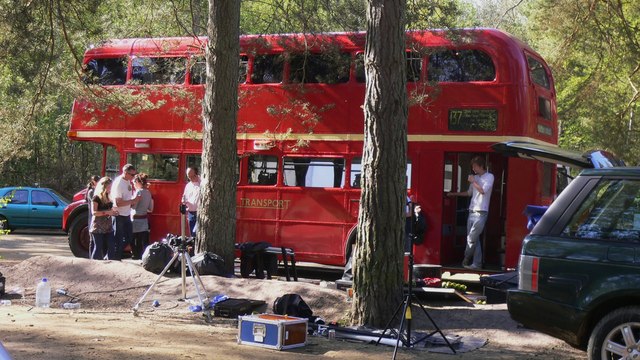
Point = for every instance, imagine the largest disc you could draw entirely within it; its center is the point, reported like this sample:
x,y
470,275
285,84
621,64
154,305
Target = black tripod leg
x,y
436,326
388,326
404,342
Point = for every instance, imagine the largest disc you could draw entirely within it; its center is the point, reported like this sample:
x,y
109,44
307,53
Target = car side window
x,y
19,197
42,198
610,212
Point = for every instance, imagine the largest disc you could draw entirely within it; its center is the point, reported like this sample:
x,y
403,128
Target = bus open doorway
x,y
455,211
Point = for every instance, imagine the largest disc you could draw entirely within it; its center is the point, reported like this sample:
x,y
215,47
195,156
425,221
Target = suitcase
x,y
232,308
270,331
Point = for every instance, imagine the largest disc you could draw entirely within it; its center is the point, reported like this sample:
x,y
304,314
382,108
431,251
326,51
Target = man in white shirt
x,y
122,195
480,186
191,198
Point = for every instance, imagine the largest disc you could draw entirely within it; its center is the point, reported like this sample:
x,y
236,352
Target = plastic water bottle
x,y
5,302
43,294
71,306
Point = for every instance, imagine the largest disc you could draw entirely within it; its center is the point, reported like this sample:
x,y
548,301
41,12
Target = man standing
x,y
122,197
191,198
480,186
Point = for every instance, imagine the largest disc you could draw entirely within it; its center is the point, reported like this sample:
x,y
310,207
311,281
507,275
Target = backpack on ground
x,y
292,305
209,263
156,256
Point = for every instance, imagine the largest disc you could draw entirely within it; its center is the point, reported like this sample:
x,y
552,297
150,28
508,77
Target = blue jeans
x,y
99,240
475,226
192,216
124,235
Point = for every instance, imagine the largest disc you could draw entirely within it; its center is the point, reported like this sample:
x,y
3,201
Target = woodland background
x,y
592,47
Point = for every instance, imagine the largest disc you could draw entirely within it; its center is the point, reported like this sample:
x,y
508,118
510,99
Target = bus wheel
x,y
79,236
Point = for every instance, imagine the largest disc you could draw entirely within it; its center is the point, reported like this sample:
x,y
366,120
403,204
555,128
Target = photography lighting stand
x,y
180,250
403,334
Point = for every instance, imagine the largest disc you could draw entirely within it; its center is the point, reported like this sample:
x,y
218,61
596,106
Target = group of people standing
x,y
118,214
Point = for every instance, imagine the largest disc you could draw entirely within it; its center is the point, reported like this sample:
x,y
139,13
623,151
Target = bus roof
x,y
313,42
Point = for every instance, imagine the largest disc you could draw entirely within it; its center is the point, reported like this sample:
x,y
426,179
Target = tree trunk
x,y
377,275
217,212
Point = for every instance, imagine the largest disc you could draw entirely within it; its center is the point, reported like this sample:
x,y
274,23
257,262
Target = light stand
x,y
403,334
180,249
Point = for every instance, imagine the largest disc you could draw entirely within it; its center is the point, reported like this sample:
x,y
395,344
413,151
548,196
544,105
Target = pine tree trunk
x,y
377,279
217,212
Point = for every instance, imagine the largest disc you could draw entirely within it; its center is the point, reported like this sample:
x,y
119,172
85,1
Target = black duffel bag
x,y
209,263
156,257
292,305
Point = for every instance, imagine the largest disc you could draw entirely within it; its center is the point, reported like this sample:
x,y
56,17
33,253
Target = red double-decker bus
x,y
300,134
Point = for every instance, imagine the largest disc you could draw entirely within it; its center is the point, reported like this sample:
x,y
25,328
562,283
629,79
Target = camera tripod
x,y
403,334
180,250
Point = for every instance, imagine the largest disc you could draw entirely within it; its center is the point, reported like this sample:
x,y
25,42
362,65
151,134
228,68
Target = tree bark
x,y
217,212
377,276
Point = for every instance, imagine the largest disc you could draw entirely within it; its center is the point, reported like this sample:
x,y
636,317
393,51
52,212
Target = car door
x,y
45,210
17,209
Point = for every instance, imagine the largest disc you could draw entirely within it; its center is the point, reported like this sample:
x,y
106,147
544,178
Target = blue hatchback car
x,y
31,207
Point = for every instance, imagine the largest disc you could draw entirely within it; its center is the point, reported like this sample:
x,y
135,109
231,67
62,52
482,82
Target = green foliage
x,y
593,49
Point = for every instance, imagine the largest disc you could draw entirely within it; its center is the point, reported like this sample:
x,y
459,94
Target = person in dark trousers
x,y
191,198
139,215
88,196
480,186
123,198
101,227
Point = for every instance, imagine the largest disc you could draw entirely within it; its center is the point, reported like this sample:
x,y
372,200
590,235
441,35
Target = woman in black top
x,y
101,227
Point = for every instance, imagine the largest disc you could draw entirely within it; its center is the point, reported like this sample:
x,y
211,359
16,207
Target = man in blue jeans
x,y
191,198
122,195
480,186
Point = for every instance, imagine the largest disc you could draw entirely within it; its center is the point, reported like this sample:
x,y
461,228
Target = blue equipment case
x,y
270,331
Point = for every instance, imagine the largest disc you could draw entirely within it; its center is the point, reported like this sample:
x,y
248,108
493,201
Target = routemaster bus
x,y
300,134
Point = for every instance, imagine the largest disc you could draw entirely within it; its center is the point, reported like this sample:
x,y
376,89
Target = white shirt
x,y
480,202
122,189
191,195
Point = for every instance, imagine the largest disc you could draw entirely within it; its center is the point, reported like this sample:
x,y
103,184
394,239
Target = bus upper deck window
x,y
414,67
158,70
108,71
460,66
198,70
360,73
267,69
538,73
331,67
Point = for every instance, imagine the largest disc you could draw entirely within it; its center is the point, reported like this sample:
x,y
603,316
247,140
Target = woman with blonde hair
x,y
101,227
139,215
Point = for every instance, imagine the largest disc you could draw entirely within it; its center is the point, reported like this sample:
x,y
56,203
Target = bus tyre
x,y
616,335
79,236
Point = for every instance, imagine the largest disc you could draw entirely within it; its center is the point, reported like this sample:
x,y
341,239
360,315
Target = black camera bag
x,y
156,256
292,305
211,264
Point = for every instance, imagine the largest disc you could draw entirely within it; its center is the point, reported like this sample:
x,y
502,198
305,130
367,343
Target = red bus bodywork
x,y
456,120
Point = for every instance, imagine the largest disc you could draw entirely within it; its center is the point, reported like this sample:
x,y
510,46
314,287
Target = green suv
x,y
579,271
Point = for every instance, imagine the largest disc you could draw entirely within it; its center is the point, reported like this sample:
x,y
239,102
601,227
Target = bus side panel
x,y
256,214
523,185
314,222
428,184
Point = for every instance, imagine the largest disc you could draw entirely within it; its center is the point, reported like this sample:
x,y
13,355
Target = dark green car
x,y
579,271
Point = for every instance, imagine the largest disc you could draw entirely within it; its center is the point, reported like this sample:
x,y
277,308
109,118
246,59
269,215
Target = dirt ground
x,y
105,327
